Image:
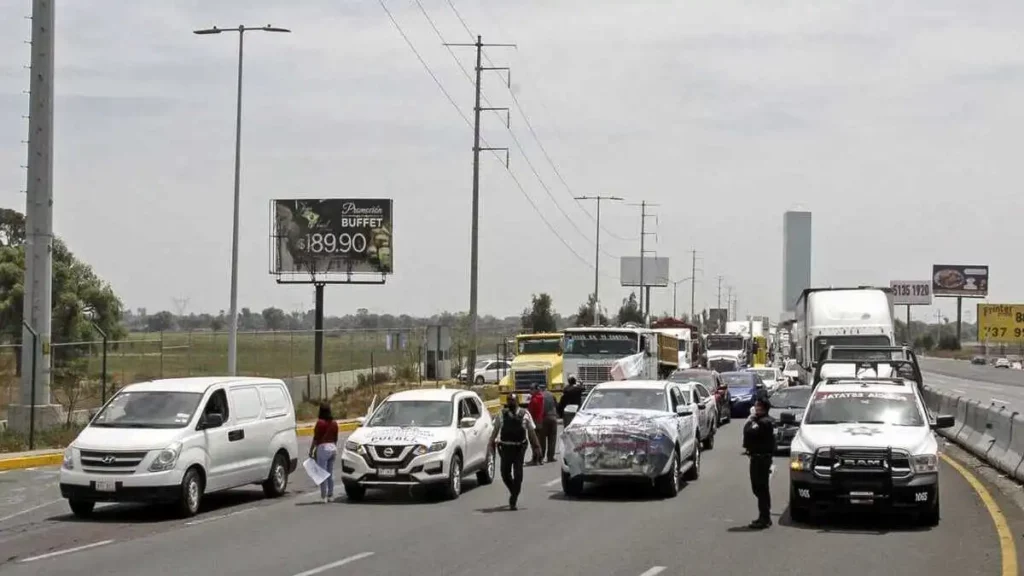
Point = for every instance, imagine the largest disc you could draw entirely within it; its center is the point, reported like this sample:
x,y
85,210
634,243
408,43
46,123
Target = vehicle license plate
x,y
386,472
106,486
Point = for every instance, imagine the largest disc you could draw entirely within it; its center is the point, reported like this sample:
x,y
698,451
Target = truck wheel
x,y
709,442
931,516
81,508
572,487
797,512
694,472
667,484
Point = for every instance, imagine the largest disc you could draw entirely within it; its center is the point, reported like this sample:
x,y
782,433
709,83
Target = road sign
x,y
911,292
1002,323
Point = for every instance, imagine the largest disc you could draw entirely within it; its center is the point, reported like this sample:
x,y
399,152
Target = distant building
x,y
796,257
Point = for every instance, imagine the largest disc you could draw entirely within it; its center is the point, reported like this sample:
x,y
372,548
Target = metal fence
x,y
84,374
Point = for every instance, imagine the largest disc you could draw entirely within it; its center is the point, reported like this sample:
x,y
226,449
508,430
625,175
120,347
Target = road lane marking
x,y
1008,549
553,482
220,517
334,565
654,570
958,390
66,551
32,509
997,400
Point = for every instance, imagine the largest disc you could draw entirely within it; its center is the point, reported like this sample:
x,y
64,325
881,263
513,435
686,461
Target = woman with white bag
x,y
325,448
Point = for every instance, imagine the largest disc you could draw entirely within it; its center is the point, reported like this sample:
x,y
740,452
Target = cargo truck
x,y
603,354
538,360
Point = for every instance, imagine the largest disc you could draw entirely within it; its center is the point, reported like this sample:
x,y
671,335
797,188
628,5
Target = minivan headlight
x,y
69,459
925,463
166,459
801,461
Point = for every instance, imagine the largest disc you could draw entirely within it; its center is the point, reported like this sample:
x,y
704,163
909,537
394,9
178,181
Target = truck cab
x,y
538,360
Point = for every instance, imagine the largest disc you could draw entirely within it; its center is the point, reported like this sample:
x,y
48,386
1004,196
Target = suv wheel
x,y
453,487
694,472
354,491
709,442
486,475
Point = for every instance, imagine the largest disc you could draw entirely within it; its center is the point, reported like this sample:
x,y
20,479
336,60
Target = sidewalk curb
x,y
56,457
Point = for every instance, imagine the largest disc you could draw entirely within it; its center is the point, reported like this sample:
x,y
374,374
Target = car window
x,y
677,398
246,401
702,392
471,409
217,404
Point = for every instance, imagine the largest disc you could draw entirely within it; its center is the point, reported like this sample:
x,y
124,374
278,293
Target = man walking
x,y
759,444
549,428
513,427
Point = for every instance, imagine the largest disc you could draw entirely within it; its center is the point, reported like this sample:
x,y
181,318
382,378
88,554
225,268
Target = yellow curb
x,y
51,459
1006,545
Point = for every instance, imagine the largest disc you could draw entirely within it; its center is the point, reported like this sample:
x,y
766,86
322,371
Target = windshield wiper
x,y
870,422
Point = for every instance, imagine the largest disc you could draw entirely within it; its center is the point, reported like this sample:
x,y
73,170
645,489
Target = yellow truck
x,y
538,360
761,358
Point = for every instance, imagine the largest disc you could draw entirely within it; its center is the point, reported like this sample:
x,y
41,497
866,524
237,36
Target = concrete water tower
x,y
796,256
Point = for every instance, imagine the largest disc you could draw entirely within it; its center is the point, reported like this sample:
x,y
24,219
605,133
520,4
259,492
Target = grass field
x,y
280,354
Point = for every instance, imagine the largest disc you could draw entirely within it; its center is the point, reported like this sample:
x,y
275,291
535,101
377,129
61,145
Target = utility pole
x,y
475,225
728,305
645,298
597,249
693,282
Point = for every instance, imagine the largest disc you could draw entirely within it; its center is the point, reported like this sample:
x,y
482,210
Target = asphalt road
x,y
982,383
612,531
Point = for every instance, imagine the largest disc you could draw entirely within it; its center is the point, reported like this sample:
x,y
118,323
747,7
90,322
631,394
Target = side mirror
x,y
788,418
212,420
943,421
361,420
682,410
571,409
702,406
467,422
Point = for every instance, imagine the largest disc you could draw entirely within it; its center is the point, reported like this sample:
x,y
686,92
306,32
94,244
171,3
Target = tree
x,y
540,317
162,321
81,300
274,318
630,310
585,315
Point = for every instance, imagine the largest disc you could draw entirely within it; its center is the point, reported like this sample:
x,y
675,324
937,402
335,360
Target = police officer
x,y
759,445
513,428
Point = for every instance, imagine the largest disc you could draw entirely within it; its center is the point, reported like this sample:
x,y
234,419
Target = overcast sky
x,y
898,124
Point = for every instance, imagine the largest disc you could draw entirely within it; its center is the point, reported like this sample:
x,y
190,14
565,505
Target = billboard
x,y
911,292
960,280
332,236
1001,323
655,271
796,257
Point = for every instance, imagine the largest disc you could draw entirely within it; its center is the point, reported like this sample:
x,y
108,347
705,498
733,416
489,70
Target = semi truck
x,y
860,316
538,361
603,354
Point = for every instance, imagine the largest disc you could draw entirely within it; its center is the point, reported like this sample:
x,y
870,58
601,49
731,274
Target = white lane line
x,y
958,390
553,482
220,517
67,551
995,400
654,570
32,509
333,565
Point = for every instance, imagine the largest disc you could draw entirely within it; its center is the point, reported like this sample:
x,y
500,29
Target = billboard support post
x,y
318,328
911,293
960,281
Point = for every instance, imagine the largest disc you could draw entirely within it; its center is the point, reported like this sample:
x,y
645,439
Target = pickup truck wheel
x,y
667,484
572,487
930,517
486,475
694,472
797,512
354,491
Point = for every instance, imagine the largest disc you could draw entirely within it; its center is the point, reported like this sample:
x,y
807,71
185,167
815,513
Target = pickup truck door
x,y
687,425
710,411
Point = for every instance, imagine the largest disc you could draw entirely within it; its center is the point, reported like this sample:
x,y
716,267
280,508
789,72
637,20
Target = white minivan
x,y
174,440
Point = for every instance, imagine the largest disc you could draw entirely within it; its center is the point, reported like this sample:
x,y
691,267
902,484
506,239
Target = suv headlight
x,y
166,459
801,461
925,463
435,447
356,447
69,459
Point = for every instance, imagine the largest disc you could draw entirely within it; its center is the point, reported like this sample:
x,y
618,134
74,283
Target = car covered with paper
x,y
865,444
633,430
420,437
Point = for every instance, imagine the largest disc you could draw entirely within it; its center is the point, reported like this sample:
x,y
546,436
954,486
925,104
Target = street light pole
x,y
597,251
674,286
233,308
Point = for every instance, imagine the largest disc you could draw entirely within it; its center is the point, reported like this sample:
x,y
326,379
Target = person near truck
x,y
572,395
549,426
536,408
759,446
513,429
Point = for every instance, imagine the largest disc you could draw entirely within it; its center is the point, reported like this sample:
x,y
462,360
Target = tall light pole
x,y
233,312
674,286
597,249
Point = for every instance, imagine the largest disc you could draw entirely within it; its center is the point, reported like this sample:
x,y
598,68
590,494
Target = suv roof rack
x,y
906,359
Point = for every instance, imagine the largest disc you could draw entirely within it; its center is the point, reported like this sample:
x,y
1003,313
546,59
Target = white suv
x,y
420,437
865,443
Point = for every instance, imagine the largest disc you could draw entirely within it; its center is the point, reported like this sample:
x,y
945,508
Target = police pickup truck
x,y
866,440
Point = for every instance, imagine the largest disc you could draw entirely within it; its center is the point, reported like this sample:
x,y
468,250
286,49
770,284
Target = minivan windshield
x,y
626,398
893,408
424,413
148,409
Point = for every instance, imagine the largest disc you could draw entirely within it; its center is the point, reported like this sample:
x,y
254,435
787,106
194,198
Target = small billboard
x,y
911,292
960,280
655,271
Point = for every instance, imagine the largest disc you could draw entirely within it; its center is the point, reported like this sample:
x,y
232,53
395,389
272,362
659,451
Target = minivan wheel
x,y
276,483
81,508
191,494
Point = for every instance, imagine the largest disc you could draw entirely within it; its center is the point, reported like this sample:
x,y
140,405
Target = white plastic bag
x,y
317,474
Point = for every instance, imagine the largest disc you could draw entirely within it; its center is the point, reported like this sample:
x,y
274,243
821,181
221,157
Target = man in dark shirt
x,y
514,429
572,395
759,445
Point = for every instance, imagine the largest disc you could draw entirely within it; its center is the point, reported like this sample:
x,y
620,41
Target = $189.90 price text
x,y
329,243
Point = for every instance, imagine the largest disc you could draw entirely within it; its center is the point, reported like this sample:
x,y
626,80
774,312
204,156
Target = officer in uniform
x,y
513,428
759,445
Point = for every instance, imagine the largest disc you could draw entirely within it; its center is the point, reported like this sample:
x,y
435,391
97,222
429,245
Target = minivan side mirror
x,y
788,418
571,409
212,420
943,421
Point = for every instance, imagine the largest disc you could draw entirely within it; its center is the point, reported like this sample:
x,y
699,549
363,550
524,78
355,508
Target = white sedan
x,y
773,377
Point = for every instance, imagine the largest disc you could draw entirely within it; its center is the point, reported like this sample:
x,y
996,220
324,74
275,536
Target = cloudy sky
x,y
898,124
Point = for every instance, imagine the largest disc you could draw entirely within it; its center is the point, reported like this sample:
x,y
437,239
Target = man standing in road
x,y
759,445
536,409
549,428
572,395
513,427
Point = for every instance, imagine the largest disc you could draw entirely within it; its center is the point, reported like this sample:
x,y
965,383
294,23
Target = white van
x,y
172,441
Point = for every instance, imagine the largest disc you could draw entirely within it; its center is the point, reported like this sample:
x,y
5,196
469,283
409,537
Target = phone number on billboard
x,y
329,243
994,332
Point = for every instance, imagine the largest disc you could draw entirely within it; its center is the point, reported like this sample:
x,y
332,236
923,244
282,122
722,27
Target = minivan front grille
x,y
111,462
